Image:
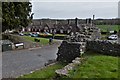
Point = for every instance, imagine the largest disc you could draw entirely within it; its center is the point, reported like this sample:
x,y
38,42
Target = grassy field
x,y
43,41
95,66
105,28
48,72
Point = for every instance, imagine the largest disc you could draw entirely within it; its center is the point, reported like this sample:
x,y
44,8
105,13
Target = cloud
x,y
74,9
74,0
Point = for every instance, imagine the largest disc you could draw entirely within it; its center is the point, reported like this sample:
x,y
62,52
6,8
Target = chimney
x,y
93,19
89,20
76,22
68,21
86,21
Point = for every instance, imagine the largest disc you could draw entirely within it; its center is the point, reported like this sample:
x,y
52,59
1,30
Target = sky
x,y
70,9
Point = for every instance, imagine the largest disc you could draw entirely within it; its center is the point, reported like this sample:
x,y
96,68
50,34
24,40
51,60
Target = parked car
x,y
34,35
21,34
47,33
113,37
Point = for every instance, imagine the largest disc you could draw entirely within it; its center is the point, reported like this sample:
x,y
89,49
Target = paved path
x,y
16,63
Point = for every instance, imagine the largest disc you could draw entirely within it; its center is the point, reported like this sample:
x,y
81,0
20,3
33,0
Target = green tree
x,y
16,14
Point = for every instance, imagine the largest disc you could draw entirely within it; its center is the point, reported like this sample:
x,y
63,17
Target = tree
x,y
16,14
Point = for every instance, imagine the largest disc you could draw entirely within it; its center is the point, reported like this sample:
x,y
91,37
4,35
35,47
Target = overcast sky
x,y
73,8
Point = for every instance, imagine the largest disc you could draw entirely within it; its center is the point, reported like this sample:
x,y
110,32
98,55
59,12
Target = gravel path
x,y
16,63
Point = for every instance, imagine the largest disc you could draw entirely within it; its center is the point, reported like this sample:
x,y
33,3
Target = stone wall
x,y
85,32
104,47
68,51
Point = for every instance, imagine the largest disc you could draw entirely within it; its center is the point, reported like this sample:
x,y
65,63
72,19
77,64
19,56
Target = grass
x,y
105,28
48,72
43,41
97,66
60,34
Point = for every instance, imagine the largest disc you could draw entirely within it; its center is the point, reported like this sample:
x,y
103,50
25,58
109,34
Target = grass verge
x,y
43,41
47,72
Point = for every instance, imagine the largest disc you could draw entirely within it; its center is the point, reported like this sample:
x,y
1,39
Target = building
x,y
64,26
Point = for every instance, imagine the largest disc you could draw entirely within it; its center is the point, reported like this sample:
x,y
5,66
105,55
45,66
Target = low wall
x,y
104,47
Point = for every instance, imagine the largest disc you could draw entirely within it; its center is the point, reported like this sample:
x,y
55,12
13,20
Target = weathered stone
x,y
65,71
68,51
62,72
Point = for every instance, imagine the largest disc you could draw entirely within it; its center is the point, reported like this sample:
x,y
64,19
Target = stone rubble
x,y
71,66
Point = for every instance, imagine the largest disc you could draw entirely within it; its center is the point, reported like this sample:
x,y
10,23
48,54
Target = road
x,y
19,62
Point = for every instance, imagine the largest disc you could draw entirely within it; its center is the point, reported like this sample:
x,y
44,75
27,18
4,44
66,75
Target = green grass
x,y
60,34
45,34
97,66
105,28
48,72
43,41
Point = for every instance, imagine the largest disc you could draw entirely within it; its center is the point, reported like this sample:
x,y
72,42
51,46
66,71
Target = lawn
x,y
60,35
43,41
105,28
97,66
47,72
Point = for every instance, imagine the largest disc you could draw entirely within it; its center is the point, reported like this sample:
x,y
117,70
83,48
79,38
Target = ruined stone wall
x,y
104,47
68,51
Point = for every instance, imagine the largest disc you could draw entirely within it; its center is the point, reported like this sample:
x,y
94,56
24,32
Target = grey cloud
x,y
74,9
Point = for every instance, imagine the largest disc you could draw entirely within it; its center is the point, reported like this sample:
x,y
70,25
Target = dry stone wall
x,y
104,47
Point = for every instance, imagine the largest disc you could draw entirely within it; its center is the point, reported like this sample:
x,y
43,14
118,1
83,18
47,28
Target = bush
x,y
37,40
103,32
